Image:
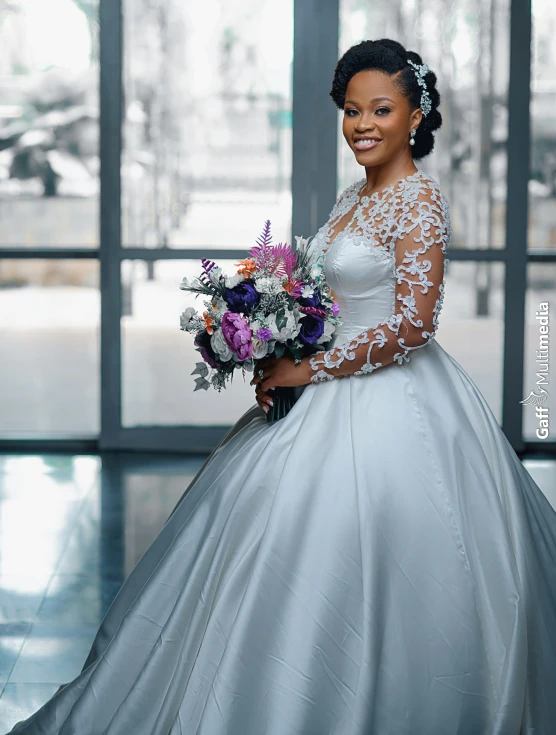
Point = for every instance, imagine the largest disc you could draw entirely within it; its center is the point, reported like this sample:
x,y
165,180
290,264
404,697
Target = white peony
x,y
220,346
269,285
186,317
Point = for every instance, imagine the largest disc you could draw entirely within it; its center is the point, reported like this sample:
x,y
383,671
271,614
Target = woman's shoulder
x,y
351,191
427,185
423,200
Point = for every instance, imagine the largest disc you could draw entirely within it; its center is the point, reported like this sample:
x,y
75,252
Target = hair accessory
x,y
420,71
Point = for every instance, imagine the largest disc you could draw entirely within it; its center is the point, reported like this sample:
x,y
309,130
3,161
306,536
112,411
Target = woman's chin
x,y
366,158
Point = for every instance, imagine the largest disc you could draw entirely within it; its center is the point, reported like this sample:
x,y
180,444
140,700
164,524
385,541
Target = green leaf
x,y
280,349
281,320
296,352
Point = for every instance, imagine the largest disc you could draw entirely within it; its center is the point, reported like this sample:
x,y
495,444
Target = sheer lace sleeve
x,y
420,240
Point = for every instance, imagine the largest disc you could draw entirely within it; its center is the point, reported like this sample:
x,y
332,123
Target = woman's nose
x,y
364,121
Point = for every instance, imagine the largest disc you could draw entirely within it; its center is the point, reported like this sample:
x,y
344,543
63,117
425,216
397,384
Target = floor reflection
x,y
71,530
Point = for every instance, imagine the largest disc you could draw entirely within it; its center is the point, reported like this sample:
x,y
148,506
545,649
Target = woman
x,y
379,562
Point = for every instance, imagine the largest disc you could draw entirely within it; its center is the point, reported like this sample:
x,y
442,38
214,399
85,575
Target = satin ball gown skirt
x,y
379,562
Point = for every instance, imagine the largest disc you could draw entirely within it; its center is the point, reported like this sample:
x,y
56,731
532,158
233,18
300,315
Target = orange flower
x,y
209,322
247,266
293,286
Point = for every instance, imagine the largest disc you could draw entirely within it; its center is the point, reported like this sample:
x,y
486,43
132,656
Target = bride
x,y
379,562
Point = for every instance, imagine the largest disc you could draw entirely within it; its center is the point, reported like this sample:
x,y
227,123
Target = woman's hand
x,y
281,372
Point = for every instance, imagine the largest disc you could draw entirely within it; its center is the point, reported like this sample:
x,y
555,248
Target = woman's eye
x,y
351,110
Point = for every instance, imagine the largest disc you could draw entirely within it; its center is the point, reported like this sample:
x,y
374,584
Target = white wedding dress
x,y
379,562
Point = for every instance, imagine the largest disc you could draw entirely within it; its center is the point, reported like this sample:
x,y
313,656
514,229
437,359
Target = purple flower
x,y
242,298
202,340
265,335
335,308
311,328
313,300
237,334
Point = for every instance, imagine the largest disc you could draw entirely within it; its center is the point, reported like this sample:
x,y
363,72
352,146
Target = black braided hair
x,y
390,57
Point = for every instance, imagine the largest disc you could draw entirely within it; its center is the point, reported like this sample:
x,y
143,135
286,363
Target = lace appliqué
x,y
372,223
419,210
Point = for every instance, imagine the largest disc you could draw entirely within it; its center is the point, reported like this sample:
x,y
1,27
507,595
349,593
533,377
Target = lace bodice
x,y
387,268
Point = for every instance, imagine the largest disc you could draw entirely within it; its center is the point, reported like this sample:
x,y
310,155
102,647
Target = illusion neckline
x,y
363,181
374,197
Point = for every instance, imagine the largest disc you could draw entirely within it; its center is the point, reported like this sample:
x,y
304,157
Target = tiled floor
x,y
71,529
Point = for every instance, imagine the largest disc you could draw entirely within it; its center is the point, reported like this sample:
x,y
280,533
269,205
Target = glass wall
x,y
49,347
158,358
207,153
206,161
49,108
471,325
542,182
466,44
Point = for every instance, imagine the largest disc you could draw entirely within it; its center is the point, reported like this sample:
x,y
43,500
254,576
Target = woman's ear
x,y
416,117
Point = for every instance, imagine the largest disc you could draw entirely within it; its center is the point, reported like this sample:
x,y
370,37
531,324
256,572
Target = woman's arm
x,y
421,238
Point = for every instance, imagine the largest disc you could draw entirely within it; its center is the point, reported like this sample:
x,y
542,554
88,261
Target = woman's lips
x,y
366,145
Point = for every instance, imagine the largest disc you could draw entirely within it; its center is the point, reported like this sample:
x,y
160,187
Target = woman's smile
x,y
366,143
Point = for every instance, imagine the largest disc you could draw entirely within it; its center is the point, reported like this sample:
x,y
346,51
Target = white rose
x,y
289,331
221,305
260,348
220,346
186,317
232,281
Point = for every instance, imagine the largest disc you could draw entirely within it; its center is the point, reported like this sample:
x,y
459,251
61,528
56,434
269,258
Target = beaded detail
x,y
405,222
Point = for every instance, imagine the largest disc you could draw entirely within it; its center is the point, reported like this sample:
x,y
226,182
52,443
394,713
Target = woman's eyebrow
x,y
375,99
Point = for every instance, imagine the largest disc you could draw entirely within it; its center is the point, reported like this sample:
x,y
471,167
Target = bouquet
x,y
276,303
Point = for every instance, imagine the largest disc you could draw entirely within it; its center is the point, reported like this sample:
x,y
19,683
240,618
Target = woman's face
x,y
377,119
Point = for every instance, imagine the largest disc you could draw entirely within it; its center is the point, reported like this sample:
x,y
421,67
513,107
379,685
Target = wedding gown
x,y
379,562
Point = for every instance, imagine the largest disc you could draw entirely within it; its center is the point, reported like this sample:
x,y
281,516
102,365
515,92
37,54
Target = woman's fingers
x,y
263,399
262,366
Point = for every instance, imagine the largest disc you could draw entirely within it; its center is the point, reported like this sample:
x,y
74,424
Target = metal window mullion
x,y
111,84
516,219
48,253
315,119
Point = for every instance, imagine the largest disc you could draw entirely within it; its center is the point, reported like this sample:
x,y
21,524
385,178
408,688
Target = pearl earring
x,y
412,140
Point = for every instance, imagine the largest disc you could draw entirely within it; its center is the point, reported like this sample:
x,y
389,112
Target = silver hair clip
x,y
420,71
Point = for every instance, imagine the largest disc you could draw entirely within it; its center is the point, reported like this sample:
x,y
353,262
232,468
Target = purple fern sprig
x,y
208,265
262,252
204,278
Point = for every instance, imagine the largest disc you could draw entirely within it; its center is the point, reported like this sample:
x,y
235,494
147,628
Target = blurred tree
x,y
90,10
